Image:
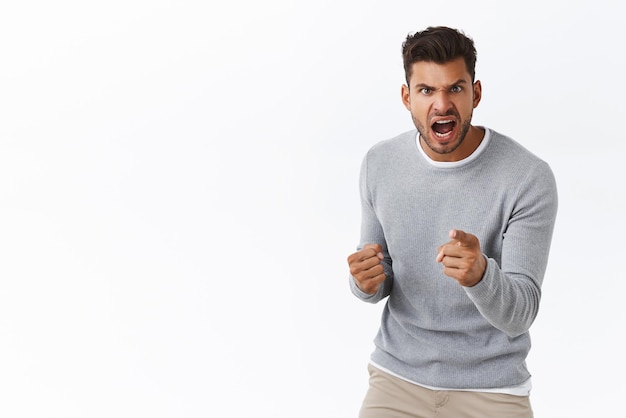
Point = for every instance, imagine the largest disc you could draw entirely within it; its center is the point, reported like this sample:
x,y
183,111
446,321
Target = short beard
x,y
464,130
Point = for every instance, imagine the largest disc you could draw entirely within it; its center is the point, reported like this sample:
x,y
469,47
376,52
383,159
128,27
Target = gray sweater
x,y
434,331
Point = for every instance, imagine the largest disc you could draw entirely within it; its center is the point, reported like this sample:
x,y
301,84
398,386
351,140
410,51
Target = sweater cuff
x,y
483,289
356,290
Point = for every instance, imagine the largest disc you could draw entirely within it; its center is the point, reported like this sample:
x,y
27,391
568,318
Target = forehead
x,y
439,75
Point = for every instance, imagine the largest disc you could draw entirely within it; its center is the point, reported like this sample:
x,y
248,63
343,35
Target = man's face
x,y
441,99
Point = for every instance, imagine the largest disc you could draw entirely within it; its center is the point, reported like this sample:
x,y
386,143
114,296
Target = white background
x,y
178,195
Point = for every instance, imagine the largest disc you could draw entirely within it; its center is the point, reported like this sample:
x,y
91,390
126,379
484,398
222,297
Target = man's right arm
x,y
371,276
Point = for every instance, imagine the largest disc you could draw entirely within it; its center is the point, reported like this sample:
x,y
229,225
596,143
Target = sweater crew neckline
x,y
455,164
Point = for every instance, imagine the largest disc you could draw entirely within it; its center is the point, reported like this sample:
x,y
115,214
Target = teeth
x,y
444,121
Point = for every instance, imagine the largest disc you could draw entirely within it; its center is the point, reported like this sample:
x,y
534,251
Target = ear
x,y
478,93
406,97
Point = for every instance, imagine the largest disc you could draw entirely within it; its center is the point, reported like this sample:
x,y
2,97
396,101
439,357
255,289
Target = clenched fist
x,y
367,269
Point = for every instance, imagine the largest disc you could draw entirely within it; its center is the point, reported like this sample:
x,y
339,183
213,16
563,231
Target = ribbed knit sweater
x,y
434,331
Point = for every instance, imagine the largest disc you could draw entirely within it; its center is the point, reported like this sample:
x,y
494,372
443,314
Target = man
x,y
457,222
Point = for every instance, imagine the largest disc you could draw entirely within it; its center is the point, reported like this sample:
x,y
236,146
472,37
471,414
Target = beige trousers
x,y
391,397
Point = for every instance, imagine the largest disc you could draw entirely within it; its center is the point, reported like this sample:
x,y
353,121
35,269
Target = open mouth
x,y
443,128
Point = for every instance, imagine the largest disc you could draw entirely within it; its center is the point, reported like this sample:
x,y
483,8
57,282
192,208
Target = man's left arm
x,y
508,295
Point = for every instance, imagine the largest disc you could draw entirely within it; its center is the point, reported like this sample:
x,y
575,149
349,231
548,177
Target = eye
x,y
456,89
425,91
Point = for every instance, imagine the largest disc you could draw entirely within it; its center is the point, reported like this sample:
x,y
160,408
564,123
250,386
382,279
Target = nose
x,y
442,102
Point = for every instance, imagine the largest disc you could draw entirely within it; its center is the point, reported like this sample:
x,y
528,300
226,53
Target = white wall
x,y
178,194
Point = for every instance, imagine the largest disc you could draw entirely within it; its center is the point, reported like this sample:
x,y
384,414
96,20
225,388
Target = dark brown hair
x,y
438,44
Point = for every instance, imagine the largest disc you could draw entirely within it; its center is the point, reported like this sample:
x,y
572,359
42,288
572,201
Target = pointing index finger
x,y
460,236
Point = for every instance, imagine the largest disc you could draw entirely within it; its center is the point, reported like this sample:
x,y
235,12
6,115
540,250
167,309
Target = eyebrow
x,y
426,86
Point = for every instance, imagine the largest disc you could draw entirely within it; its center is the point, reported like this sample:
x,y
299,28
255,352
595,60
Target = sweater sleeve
x,y
508,295
372,233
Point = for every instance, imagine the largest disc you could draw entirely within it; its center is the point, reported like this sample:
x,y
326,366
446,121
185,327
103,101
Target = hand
x,y
366,268
462,258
